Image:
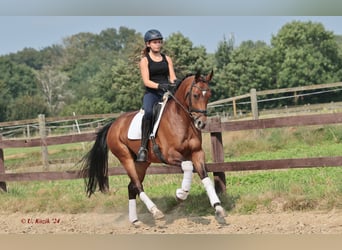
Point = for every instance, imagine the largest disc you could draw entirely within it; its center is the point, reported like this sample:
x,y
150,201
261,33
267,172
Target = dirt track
x,y
261,223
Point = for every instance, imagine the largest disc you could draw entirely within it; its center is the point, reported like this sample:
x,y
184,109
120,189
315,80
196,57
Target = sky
x,y
38,32
169,8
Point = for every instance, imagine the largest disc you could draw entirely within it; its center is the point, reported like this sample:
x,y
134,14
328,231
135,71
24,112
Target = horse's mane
x,y
186,76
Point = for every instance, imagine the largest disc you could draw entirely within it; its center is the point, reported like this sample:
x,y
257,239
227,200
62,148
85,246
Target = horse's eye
x,y
196,96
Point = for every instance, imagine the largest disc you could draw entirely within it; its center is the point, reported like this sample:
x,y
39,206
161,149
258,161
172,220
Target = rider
x,y
157,73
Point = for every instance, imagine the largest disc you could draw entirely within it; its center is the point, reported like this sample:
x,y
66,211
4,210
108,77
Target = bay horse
x,y
180,141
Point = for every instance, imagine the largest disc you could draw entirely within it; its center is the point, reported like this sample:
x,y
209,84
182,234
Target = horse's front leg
x,y
183,192
198,161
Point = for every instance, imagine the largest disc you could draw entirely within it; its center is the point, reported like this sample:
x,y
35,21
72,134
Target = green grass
x,y
19,158
295,189
285,143
247,192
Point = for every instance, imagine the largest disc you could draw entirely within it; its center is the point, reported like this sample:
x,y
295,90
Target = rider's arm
x,y
172,75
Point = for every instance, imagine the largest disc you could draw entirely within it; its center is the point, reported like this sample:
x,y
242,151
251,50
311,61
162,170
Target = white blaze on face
x,y
204,92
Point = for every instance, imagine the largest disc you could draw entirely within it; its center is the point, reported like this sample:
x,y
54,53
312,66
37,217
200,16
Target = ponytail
x,y
145,51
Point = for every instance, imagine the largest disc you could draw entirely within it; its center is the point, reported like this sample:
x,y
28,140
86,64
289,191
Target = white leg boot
x,y
213,198
183,192
157,214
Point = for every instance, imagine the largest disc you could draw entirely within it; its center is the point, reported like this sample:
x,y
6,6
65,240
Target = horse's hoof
x,y
220,212
157,214
137,223
181,195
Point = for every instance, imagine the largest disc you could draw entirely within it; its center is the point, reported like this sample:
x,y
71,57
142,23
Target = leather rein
x,y
190,109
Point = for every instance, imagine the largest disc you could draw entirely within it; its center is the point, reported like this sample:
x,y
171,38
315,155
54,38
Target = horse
x,y
179,141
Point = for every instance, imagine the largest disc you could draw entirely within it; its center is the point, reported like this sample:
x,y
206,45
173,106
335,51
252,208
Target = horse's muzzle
x,y
200,124
201,119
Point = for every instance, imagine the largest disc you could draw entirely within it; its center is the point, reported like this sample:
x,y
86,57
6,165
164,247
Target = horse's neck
x,y
177,114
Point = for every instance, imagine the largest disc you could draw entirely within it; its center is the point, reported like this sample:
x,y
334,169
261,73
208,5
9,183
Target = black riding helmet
x,y
152,35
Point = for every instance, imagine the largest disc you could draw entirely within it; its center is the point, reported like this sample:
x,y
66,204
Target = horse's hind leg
x,y
132,205
157,214
136,188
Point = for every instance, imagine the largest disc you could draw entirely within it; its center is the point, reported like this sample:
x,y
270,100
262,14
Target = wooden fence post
x,y
218,156
2,168
234,108
28,133
42,134
254,104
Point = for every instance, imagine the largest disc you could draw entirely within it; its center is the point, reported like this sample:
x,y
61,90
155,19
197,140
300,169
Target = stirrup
x,y
142,155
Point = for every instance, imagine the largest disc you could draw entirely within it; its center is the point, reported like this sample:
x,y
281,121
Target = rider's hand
x,y
166,87
177,82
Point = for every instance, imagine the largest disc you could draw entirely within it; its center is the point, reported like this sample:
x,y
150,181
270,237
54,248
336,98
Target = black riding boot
x,y
145,134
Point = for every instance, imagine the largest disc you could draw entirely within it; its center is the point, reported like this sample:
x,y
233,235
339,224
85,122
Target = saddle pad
x,y
134,130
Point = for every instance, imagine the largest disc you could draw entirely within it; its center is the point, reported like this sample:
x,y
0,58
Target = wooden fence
x,y
253,96
215,127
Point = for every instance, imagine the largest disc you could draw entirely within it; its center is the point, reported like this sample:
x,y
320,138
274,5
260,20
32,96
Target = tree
x,y
120,86
123,89
18,79
338,39
250,67
223,52
186,58
305,54
89,56
29,107
127,86
29,56
52,84
36,59
5,98
86,106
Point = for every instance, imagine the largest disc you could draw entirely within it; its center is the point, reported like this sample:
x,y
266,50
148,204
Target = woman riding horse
x,y
178,136
156,72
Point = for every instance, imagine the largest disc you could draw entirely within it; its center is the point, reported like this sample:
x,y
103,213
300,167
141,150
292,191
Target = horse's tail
x,y
95,163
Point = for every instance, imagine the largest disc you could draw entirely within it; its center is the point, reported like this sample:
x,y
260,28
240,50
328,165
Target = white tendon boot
x,y
183,192
132,213
157,214
213,198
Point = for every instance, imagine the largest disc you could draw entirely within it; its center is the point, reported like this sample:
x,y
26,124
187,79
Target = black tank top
x,y
159,72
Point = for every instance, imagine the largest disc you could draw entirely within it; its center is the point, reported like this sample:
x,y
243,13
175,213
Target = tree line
x,y
98,73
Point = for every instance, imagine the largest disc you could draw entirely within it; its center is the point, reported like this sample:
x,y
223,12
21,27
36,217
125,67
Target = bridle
x,y
191,110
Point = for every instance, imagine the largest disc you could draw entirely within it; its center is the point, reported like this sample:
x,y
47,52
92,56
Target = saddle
x,y
134,130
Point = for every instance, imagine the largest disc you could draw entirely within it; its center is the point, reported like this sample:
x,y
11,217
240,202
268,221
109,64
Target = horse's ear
x,y
210,76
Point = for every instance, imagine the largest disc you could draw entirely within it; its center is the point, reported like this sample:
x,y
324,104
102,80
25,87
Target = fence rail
x,y
253,95
169,169
215,127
